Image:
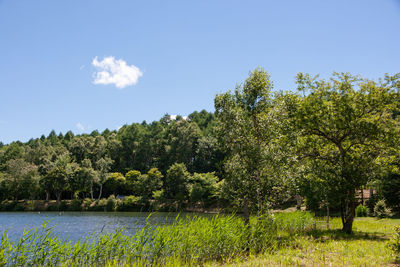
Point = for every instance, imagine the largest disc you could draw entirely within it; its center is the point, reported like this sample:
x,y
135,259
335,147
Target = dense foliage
x,y
260,149
139,160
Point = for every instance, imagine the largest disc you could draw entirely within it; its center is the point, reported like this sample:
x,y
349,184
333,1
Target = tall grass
x,y
294,222
189,240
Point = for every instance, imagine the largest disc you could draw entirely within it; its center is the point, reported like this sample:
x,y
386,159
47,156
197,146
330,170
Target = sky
x,y
96,64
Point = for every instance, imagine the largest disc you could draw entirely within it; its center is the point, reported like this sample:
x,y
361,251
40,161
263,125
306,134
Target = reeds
x,y
192,240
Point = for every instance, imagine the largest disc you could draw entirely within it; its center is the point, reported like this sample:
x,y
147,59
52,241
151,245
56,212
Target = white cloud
x,y
117,72
80,126
173,117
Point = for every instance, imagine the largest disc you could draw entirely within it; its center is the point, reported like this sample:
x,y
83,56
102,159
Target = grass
x,y
367,246
282,239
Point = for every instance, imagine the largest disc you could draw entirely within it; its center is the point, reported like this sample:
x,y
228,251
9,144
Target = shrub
x,y
63,206
112,203
76,205
361,211
86,203
381,211
394,244
8,205
130,203
371,202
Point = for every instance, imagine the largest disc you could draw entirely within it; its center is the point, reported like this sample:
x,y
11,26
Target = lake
x,y
77,225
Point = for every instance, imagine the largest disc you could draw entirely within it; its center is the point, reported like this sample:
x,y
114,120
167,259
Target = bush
x,y
99,205
86,203
130,203
381,211
6,205
394,244
112,203
63,206
361,211
76,205
371,202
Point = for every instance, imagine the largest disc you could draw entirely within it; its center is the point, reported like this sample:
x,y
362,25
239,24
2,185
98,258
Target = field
x,y
368,246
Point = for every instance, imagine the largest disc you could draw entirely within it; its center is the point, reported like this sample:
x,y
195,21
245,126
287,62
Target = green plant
x,y
76,205
294,222
371,202
112,203
86,204
63,206
381,210
130,203
394,244
361,211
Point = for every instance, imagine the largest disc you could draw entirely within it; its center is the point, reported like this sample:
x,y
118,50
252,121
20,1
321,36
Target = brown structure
x,y
364,194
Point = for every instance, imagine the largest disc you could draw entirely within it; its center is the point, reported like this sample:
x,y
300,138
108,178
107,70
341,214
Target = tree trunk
x,y
362,196
246,211
347,213
47,196
327,216
298,202
101,191
91,192
58,195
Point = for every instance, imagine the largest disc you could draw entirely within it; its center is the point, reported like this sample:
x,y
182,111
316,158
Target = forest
x,y
261,149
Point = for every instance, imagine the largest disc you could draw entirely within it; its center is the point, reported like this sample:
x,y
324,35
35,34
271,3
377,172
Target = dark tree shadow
x,y
337,234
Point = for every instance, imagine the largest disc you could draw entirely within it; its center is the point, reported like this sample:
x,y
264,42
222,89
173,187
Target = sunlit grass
x,y
367,246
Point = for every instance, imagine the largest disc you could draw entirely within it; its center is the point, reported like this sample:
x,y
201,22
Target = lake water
x,y
77,225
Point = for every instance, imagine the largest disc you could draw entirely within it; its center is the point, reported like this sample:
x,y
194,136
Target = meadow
x,y
280,239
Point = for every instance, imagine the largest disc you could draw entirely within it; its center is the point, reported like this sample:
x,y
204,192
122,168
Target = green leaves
x,y
251,126
346,126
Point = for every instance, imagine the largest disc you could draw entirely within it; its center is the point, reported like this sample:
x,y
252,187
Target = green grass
x,y
282,239
367,246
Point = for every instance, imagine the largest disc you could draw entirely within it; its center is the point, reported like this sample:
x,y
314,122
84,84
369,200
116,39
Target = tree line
x,y
261,148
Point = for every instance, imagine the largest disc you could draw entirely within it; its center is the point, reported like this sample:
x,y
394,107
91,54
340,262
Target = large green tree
x,y
250,122
347,132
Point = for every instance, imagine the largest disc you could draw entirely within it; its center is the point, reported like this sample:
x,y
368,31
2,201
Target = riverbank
x,y
129,204
282,239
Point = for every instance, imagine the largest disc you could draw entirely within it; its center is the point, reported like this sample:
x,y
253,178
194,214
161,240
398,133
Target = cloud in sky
x,y
80,126
117,72
173,117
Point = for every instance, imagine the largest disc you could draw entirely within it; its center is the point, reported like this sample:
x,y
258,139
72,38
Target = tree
x,y
115,182
390,190
203,187
152,182
103,165
22,178
182,140
249,128
176,183
133,182
82,178
57,180
347,132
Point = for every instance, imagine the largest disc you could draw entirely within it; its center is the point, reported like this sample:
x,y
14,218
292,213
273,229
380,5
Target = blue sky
x,y
172,56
